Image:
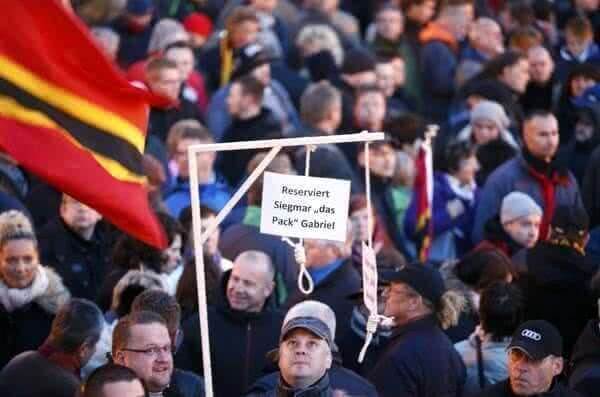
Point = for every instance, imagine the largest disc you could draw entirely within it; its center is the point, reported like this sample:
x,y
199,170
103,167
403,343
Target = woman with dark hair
x,y
455,196
580,78
187,289
470,276
30,294
484,352
132,254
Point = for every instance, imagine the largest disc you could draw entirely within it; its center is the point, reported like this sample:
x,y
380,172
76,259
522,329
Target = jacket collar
x,y
424,323
319,389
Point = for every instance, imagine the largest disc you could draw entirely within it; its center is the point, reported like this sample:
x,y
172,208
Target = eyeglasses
x,y
153,351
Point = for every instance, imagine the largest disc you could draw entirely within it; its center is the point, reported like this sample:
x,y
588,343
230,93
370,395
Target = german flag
x,y
68,115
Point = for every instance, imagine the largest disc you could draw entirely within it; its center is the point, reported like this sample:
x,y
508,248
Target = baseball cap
x,y
313,316
249,57
425,280
538,339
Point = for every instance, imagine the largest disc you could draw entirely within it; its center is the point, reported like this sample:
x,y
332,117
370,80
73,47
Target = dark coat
x,y
161,120
557,282
419,361
27,327
585,362
502,389
334,290
262,126
239,342
32,375
80,263
340,378
133,46
185,384
320,389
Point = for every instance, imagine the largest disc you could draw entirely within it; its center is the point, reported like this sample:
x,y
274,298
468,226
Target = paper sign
x,y
369,271
304,206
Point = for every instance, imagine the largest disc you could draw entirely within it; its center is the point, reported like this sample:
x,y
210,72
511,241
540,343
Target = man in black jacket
x,y
250,121
243,327
77,246
419,359
534,362
54,369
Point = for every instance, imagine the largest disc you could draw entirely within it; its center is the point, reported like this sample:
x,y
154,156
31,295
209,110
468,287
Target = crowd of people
x,y
506,303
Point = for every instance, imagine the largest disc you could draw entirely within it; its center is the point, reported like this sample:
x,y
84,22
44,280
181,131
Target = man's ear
x,y
557,365
329,360
361,158
119,358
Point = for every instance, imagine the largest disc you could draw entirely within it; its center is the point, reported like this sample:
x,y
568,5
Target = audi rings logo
x,y
531,334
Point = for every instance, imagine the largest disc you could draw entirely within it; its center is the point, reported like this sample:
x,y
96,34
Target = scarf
x,y
465,192
226,53
15,298
68,362
548,177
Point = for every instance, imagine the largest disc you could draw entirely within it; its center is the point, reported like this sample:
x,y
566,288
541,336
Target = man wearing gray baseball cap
x,y
534,362
305,351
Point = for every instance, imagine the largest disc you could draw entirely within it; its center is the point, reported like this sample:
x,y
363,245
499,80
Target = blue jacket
x,y
450,236
438,64
214,195
514,175
566,60
419,361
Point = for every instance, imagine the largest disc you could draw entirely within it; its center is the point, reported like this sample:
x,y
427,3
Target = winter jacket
x,y
438,63
214,194
185,384
502,389
239,342
80,263
333,290
27,327
161,120
133,46
566,60
494,362
340,378
584,373
513,175
419,361
556,283
276,99
320,389
450,235
30,374
262,126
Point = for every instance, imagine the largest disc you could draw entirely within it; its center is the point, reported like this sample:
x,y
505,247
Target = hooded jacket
x,y
239,342
576,155
585,361
26,327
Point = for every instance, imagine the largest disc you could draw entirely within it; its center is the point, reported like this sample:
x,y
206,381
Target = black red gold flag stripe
x,y
69,116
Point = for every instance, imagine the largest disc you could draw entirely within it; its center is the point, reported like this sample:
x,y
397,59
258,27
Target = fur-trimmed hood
x,y
54,296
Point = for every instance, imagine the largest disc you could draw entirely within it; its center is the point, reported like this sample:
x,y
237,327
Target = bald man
x,y
542,89
243,326
485,42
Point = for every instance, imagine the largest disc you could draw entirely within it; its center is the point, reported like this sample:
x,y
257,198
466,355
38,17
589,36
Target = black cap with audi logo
x,y
538,339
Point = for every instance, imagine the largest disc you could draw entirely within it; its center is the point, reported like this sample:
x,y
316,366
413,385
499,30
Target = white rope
x,y
299,252
374,318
